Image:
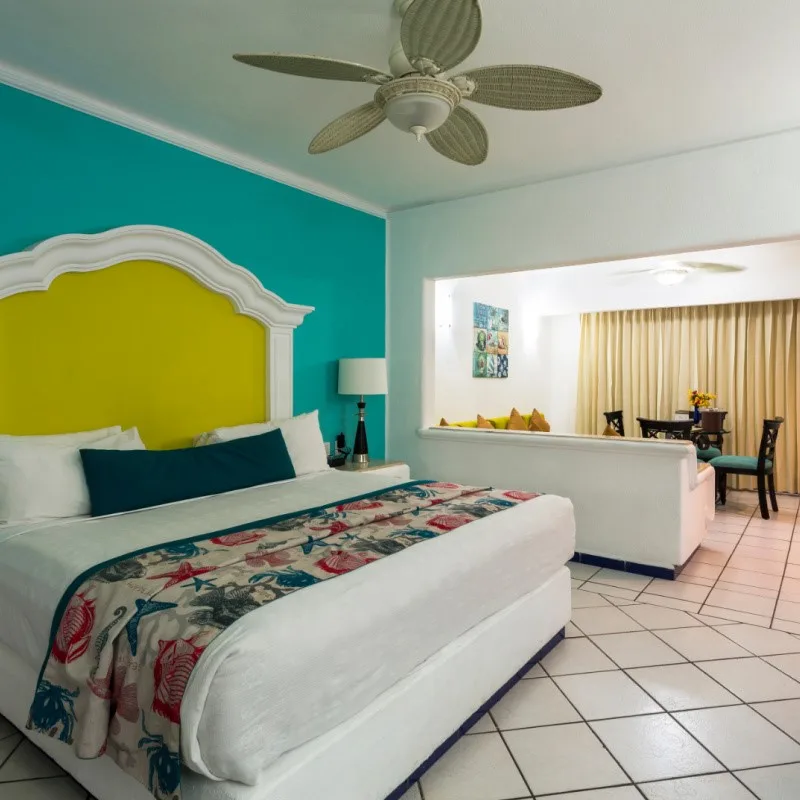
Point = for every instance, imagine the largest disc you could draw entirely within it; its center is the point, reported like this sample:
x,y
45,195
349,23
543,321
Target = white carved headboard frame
x,y
35,269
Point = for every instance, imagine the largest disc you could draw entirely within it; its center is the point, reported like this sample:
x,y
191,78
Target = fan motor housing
x,y
418,84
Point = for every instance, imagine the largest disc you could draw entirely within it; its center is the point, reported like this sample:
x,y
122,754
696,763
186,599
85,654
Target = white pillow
x,y
303,439
46,480
237,432
302,435
82,437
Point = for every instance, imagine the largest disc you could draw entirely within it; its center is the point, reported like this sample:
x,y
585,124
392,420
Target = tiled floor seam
x,y
512,756
727,562
13,750
556,795
585,722
697,664
35,780
669,714
785,567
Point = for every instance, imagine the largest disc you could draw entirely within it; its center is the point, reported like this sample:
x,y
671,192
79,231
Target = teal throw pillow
x,y
126,480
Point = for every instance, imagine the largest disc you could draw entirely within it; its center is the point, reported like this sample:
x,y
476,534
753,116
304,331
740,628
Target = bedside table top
x,y
372,464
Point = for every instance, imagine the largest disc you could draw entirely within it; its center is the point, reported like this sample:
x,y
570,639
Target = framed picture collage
x,y
489,341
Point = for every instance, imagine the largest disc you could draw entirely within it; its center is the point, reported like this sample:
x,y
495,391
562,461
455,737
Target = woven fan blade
x,y
530,88
462,138
443,31
349,126
706,266
311,67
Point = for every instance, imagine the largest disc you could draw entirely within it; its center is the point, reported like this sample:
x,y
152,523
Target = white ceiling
x,y
676,75
771,272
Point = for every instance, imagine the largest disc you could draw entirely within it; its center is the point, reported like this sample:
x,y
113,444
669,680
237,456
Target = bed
x,y
344,690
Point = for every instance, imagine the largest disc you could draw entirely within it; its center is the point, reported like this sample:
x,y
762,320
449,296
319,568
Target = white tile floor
x,y
656,693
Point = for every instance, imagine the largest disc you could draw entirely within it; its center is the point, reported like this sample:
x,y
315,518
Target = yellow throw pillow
x,y
538,422
609,431
516,422
443,423
484,423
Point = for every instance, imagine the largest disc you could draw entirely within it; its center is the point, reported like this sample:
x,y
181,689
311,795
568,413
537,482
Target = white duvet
x,y
296,668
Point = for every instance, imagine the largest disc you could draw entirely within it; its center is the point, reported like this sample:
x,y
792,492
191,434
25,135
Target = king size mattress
x,y
293,670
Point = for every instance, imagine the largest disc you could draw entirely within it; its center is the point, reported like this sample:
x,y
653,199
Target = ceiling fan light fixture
x,y
671,276
420,96
418,104
418,113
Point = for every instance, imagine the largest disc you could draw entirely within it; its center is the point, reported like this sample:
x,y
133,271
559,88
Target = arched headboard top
x,y
35,269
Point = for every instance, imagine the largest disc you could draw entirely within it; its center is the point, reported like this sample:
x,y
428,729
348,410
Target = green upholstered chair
x,y
709,453
761,467
705,451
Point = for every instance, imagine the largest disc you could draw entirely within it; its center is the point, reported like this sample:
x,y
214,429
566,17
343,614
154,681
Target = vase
x,y
696,415
713,421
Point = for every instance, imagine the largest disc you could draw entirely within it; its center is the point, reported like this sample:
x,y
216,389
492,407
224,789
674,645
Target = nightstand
x,y
396,469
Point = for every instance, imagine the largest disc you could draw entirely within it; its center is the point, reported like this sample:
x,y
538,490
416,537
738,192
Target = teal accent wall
x,y
62,171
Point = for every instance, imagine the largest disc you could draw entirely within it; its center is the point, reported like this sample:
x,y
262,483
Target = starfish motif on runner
x,y
183,573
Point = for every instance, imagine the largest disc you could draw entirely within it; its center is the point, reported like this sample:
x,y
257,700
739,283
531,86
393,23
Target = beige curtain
x,y
645,361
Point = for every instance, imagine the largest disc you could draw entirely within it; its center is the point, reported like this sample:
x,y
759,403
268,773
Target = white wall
x,y
543,354
740,193
459,396
562,345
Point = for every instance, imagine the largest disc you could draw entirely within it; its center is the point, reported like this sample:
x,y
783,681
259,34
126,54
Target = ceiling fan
x,y
420,97
671,273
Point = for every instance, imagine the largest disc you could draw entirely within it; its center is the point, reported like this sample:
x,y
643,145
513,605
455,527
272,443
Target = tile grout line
x,y
511,755
13,750
40,778
668,713
727,562
785,567
741,702
588,724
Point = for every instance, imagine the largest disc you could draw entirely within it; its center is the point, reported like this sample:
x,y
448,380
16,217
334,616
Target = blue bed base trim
x,y
473,718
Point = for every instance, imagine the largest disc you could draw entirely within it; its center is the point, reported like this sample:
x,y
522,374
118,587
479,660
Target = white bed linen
x,y
295,669
366,757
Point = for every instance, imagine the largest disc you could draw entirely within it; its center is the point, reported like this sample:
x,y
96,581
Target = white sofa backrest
x,y
628,493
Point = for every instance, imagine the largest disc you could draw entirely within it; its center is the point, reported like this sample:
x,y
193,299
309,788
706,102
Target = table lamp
x,y
362,376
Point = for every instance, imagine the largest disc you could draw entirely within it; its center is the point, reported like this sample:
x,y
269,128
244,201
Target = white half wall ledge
x,y
674,450
35,269
95,107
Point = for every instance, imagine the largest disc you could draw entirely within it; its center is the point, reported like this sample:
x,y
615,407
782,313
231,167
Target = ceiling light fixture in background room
x,y
672,275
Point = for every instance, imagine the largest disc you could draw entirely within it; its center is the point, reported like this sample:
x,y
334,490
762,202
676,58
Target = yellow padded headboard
x,y
137,343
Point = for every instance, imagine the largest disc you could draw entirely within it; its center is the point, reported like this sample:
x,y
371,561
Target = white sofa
x,y
642,502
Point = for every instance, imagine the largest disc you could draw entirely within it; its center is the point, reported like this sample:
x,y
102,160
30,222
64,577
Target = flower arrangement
x,y
699,399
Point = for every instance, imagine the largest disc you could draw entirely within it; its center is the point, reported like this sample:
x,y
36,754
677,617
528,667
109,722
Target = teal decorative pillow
x,y
128,480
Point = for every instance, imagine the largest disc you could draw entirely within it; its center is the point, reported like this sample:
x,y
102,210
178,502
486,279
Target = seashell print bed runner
x,y
128,633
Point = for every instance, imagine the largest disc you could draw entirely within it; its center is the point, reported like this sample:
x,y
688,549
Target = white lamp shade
x,y
362,376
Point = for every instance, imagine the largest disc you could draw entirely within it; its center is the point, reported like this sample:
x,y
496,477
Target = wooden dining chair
x,y
705,450
668,428
614,419
761,467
